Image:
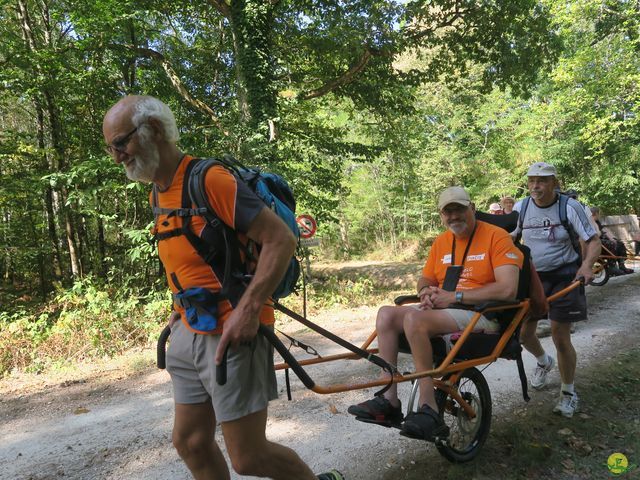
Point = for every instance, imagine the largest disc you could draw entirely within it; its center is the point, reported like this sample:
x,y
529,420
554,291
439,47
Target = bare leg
x,y
389,325
420,326
567,358
253,455
529,339
193,436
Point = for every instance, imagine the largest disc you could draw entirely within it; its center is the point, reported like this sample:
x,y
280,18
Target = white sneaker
x,y
567,405
544,328
541,374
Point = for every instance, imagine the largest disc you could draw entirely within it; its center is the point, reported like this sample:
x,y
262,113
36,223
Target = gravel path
x,y
121,429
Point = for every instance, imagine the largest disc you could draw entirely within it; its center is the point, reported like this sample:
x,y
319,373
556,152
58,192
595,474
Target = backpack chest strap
x,y
179,212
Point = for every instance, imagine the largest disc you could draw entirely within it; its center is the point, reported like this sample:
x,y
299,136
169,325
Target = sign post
x,y
308,226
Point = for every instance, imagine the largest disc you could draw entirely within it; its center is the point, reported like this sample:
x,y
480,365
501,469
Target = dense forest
x,y
367,107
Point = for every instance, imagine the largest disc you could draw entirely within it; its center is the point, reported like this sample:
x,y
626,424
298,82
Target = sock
x,y
567,388
543,360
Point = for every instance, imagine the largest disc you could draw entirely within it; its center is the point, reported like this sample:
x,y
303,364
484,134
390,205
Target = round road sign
x,y
308,226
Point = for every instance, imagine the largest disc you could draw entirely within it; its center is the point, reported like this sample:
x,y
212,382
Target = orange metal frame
x,y
448,366
608,254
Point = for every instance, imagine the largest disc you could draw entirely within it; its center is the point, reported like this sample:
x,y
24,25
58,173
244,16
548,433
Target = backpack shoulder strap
x,y
194,191
195,187
563,205
521,213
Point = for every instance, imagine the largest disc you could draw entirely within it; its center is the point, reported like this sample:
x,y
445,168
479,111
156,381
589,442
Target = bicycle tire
x,y
467,436
601,277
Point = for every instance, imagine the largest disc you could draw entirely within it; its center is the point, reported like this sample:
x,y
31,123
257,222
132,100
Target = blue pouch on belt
x,y
201,308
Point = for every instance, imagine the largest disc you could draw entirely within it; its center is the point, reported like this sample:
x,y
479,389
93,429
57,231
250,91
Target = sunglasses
x,y
120,145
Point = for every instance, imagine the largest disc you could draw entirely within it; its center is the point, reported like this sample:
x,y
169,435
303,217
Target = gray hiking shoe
x,y
567,404
541,374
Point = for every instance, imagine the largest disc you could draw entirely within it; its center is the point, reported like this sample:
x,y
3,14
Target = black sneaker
x,y
425,424
377,410
615,272
332,475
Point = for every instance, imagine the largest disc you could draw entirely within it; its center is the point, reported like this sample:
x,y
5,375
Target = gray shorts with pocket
x,y
251,379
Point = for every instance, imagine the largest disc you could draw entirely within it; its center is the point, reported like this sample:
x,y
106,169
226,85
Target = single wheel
x,y
602,276
467,435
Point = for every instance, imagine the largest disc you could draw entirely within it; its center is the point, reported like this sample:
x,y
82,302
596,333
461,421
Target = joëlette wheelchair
x,y
605,260
462,392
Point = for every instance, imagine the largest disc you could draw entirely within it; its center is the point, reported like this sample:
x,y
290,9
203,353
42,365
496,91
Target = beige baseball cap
x,y
542,169
453,195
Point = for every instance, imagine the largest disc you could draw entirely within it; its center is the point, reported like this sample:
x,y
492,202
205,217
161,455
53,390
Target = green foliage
x,y
368,107
81,323
592,102
333,291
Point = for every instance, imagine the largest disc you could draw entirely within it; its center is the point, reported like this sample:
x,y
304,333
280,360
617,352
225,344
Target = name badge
x,y
446,258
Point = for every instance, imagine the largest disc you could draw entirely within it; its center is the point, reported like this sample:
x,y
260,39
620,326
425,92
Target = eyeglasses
x,y
453,209
120,145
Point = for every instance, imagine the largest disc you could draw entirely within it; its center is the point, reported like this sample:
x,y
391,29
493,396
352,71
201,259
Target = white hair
x,y
150,107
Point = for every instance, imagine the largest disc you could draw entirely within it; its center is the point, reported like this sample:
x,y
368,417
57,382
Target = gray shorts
x,y
463,318
251,379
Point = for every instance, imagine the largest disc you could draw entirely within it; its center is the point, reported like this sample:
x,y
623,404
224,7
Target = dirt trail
x,y
121,429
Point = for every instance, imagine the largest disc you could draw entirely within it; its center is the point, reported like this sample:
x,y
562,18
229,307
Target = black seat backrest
x,y
524,280
509,222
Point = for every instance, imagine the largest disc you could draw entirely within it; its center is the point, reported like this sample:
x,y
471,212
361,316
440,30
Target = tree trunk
x,y
102,244
6,267
57,160
344,236
42,271
53,235
50,216
252,29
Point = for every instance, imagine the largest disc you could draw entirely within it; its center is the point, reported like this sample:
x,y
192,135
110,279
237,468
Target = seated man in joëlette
x,y
470,263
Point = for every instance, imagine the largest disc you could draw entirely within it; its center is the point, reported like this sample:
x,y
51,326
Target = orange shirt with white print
x,y
491,247
184,267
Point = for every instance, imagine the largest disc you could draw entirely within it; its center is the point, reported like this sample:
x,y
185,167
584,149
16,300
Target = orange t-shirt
x,y
234,204
491,247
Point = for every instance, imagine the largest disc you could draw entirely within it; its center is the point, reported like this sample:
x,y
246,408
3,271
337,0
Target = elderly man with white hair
x,y
141,135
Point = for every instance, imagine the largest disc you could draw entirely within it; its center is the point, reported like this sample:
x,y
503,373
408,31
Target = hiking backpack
x,y
563,201
219,245
271,188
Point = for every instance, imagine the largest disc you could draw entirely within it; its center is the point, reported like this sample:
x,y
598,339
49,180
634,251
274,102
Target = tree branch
x,y
179,86
418,34
222,7
344,79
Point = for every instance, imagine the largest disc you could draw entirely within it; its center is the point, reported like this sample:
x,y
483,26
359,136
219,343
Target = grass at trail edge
x,y
531,442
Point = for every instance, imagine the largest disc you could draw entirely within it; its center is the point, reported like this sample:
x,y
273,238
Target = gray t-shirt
x,y
548,240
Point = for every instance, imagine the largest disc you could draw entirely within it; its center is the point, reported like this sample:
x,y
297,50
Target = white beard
x,y
144,167
458,228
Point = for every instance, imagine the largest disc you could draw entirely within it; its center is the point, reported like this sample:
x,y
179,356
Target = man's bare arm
x,y
592,252
504,288
278,245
